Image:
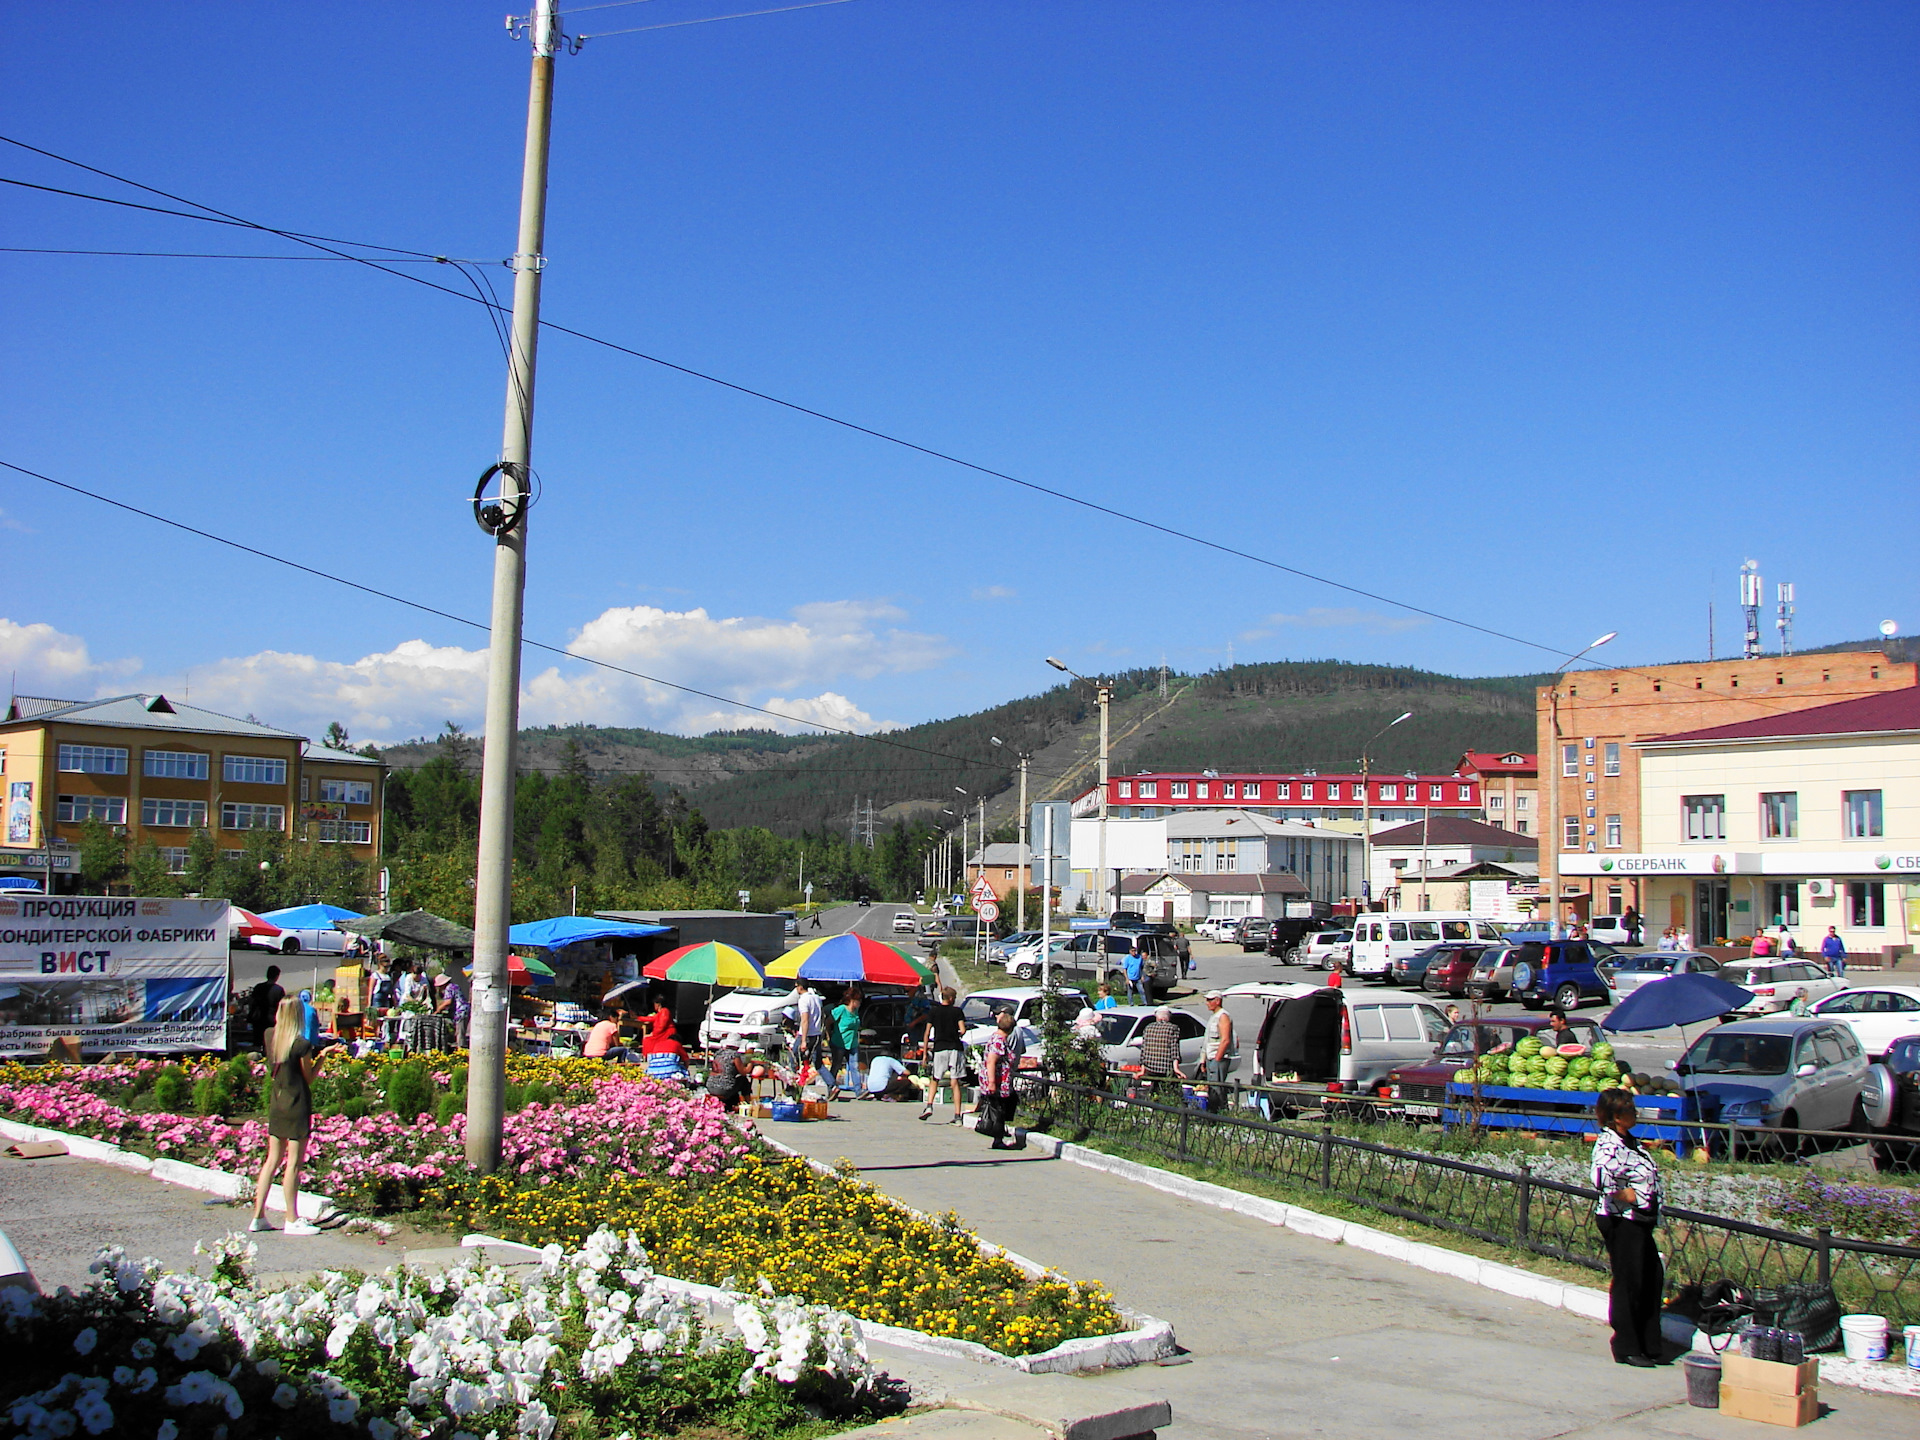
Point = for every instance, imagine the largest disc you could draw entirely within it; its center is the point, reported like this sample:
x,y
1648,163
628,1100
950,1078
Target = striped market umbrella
x,y
850,958
708,963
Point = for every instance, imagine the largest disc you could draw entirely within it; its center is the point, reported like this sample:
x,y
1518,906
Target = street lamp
x,y
1103,694
1366,810
1553,838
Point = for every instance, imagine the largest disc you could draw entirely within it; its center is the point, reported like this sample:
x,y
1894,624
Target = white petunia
x,y
84,1342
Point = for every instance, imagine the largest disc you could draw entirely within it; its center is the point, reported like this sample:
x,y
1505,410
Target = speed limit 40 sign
x,y
988,911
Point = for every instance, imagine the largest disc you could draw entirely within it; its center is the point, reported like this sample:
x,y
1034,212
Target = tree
x,y
336,737
147,872
103,854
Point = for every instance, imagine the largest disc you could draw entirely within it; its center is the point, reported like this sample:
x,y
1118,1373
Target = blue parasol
x,y
1676,1000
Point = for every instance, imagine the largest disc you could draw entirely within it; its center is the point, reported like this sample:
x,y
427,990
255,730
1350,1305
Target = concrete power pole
x,y
493,876
1026,865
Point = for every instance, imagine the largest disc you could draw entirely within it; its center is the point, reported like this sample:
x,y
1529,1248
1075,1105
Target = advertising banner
x,y
120,974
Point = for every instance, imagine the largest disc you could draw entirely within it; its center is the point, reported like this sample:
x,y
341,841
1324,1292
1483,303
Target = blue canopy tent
x,y
309,917
565,930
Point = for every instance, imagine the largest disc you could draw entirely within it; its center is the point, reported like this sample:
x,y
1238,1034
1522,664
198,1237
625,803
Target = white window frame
x,y
92,759
1569,760
1177,789
1389,792
1250,790
1283,790
78,809
252,770
1779,814
1333,790
1523,801
1863,814
256,817
174,857
1149,789
1570,833
1610,761
1496,803
1306,789
1613,832
151,809
1712,818
1125,790
176,764
360,832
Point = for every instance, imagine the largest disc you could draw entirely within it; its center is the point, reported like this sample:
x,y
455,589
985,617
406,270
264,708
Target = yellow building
x,y
1809,819
159,770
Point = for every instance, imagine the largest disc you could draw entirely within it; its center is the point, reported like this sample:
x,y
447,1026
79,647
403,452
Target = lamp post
x,y
1366,811
1103,694
1550,852
1026,862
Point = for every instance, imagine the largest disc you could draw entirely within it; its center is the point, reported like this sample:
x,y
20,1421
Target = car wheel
x,y
1529,1003
1567,997
290,946
1024,971
1116,982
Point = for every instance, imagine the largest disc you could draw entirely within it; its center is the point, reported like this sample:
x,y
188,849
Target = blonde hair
x,y
289,1024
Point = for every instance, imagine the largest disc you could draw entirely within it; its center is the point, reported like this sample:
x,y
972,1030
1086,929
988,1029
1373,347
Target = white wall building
x,y
1445,840
1221,842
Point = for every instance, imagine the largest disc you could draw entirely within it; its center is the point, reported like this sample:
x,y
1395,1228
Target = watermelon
x,y
1529,1046
1463,1077
1603,1051
1570,1051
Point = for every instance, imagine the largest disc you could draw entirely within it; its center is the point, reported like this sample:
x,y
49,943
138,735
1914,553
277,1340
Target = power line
x,y
202,255
707,19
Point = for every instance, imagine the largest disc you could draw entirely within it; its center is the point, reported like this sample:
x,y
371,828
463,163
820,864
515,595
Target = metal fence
x,y
1517,1210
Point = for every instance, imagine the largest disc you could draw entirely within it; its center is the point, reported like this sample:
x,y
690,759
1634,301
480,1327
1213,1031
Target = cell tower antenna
x,y
1783,621
1750,591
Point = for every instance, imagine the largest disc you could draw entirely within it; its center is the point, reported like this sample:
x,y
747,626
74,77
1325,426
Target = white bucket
x,y
1865,1336
1912,1336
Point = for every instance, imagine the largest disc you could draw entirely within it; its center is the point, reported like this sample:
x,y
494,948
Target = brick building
x,y
1509,787
1589,724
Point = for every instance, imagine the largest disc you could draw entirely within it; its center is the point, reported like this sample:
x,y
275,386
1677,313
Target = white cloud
x,y
43,661
413,688
995,592
1336,617
7,522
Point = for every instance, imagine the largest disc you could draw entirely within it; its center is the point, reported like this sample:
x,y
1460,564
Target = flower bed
x,y
590,1344
602,1149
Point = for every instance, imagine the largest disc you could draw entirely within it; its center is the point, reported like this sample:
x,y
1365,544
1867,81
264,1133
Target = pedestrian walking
x,y
1834,951
843,1039
1136,968
263,1004
1631,922
1762,946
946,1060
816,919
1221,1046
1626,1213
810,1018
1668,940
1160,1049
999,1098
290,1066
1783,942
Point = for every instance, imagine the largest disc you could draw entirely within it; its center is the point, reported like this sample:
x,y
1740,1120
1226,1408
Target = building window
x,y
1178,790
1333,790
253,770
1616,900
1706,816
1226,858
1613,833
1863,815
1866,904
174,857
174,765
1496,804
1149,789
1306,790
75,808
1522,804
1004,874
1466,793
1126,788
1571,836
1779,815
233,854
1435,792
1188,856
1611,761
1389,792
254,817
1783,902
1227,790
1283,791
1569,759
1248,791
1523,827
191,814
93,759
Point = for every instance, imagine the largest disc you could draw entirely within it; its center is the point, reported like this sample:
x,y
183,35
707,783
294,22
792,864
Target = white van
x,y
1344,1041
1379,940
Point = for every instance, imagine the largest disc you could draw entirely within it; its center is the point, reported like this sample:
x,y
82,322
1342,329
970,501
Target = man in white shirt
x,y
812,1021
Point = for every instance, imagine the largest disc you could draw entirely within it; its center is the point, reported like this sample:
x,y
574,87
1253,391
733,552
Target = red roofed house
x,y
1509,787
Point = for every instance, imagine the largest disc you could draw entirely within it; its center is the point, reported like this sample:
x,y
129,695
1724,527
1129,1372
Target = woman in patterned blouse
x,y
1628,1209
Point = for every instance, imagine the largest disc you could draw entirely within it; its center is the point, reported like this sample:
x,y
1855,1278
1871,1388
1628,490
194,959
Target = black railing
x,y
1516,1210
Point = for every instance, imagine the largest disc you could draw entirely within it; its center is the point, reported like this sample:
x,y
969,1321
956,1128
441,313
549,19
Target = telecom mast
x,y
1750,589
1783,621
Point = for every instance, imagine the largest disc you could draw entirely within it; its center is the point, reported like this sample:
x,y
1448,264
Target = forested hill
x,y
1285,715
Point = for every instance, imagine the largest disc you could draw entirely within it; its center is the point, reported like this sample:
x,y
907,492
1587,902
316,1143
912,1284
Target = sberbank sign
x,y
1644,865
1899,863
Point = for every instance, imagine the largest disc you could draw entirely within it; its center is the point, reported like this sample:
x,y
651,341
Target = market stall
x,y
571,963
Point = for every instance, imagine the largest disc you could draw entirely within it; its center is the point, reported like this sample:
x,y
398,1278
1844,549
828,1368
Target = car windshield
x,y
1740,1054
1114,1029
771,988
1656,964
980,1010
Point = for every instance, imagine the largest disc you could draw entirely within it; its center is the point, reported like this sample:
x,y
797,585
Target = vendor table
x,y
1662,1117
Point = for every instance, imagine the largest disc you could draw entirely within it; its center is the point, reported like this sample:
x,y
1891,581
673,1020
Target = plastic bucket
x,y
1703,1380
1864,1336
1912,1336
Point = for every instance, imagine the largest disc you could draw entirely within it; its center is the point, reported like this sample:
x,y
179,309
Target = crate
x,y
813,1110
1768,1377
1789,1410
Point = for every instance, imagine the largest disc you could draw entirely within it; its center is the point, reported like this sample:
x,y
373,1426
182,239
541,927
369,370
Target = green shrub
x,y
356,1108
513,1097
457,1080
449,1105
171,1088
409,1090
206,1096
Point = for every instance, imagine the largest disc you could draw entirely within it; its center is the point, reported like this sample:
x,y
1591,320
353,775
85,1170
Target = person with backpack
x,y
263,1005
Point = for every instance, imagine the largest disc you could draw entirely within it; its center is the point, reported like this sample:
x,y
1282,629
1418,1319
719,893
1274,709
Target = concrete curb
x,y
1150,1339
1581,1300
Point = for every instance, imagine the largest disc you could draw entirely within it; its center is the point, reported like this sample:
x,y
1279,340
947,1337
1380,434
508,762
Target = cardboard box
x,y
1768,1377
1789,1410
813,1110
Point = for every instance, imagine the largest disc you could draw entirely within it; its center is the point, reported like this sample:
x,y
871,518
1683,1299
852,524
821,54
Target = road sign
x,y
809,890
983,892
988,911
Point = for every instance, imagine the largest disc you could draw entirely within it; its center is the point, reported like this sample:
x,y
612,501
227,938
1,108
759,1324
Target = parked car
x,y
1422,1085
1253,933
1028,961
1102,955
980,1012
1214,926
1878,1015
1775,983
753,1019
905,922
1892,1102
1348,1042
1449,973
1247,1005
1325,950
1630,972
310,942
1379,939
1558,972
949,927
789,921
1798,1074
1122,1027
1181,945
999,950
1412,969
1613,929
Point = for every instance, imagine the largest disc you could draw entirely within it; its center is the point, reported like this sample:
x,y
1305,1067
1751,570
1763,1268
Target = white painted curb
x,y
1581,1300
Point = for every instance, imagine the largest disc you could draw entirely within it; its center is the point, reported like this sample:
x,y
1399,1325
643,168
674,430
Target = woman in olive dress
x,y
290,1068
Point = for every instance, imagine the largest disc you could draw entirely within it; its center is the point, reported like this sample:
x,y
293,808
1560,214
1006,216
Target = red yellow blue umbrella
x,y
850,958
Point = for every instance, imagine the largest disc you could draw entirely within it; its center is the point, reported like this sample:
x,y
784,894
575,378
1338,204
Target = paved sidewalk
x,y
1290,1336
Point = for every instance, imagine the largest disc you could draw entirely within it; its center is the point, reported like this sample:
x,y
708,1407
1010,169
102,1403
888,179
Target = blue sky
x,y
1542,317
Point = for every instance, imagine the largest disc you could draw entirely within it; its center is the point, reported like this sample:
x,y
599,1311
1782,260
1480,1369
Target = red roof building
x,y
1305,795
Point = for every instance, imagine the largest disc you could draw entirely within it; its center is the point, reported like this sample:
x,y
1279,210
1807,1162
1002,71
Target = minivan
x,y
1102,955
1343,1041
1379,940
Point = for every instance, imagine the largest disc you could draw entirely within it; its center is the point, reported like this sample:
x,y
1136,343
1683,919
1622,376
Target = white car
x,y
1025,962
1325,950
905,922
1122,1027
982,1012
308,942
751,1019
1877,1015
1775,982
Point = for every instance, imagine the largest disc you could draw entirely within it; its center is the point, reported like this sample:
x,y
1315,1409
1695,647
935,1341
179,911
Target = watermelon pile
x,y
1533,1065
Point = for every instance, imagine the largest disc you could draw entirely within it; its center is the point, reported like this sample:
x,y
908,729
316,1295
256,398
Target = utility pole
x,y
1026,862
493,875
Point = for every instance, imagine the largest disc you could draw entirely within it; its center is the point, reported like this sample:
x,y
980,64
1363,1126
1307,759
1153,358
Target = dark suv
x,y
1557,972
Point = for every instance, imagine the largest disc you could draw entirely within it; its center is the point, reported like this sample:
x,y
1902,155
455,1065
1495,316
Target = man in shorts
x,y
945,1022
